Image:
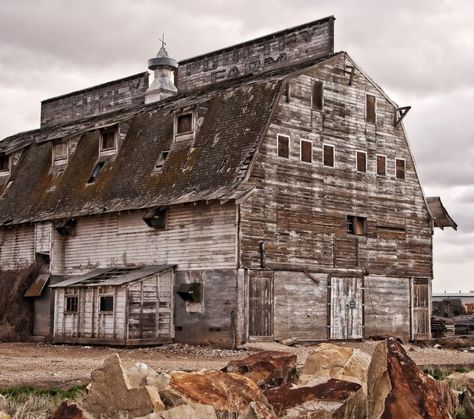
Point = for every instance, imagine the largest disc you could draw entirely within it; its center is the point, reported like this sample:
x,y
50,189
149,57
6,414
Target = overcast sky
x,y
421,53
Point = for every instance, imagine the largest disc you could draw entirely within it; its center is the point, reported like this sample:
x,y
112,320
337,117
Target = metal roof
x,y
37,287
110,276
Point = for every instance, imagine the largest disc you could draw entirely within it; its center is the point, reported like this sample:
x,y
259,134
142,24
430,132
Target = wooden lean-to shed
x,y
116,306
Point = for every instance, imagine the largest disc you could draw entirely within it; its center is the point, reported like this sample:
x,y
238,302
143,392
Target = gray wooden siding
x,y
17,247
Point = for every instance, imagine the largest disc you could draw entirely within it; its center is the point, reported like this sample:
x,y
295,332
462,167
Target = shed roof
x,y
441,218
109,276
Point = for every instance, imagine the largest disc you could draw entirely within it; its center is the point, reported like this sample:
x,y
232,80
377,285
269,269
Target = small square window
x,y
400,168
328,155
184,123
72,303
108,139
106,303
356,225
370,109
4,163
60,153
381,165
361,161
306,151
161,159
317,92
283,146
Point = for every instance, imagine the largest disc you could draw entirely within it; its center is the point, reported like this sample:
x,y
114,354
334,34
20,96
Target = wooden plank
x,y
261,304
346,308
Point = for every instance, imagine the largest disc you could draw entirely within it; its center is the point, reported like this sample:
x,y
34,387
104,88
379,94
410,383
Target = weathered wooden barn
x,y
272,182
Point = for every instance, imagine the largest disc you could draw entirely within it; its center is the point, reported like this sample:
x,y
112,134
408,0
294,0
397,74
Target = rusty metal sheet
x,y
37,287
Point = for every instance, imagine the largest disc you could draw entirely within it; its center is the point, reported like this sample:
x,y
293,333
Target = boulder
x,y
70,410
112,393
257,411
397,388
143,375
333,361
185,411
267,368
332,399
226,392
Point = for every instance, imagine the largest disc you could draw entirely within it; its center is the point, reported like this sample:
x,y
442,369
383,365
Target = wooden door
x,y
346,308
421,308
260,298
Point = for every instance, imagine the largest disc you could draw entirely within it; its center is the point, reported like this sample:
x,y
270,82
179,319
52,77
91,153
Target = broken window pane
x,y
97,169
317,95
306,151
400,168
381,165
370,112
184,123
161,159
356,225
328,155
106,303
361,157
283,146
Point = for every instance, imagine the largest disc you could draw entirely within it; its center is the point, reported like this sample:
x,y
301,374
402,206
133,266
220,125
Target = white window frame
x,y
60,162
187,133
366,162
404,168
333,155
323,95
109,151
289,146
375,108
377,164
301,151
9,164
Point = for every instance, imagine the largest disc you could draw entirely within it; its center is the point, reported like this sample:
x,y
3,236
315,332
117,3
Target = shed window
x,y
60,153
370,109
161,160
283,146
400,168
72,302
328,155
106,303
317,95
184,123
381,165
361,161
4,163
306,151
97,169
356,225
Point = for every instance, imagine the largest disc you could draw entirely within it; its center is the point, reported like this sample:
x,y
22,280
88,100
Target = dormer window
x,y
60,153
161,160
4,164
108,140
184,124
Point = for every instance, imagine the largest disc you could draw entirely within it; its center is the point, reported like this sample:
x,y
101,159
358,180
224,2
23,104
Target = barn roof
x,y
440,215
109,276
232,116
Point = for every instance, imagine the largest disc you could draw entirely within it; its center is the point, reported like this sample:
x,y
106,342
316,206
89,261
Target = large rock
x,y
143,375
332,399
268,368
70,410
112,394
333,361
185,411
226,392
397,388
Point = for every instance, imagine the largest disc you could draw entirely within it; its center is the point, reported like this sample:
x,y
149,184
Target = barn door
x,y
260,305
421,308
346,306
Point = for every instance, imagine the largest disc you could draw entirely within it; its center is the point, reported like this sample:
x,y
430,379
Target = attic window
x,y
370,109
328,155
317,91
283,146
184,123
161,160
381,165
356,225
306,151
156,218
4,164
361,161
60,153
97,169
108,140
400,168
106,303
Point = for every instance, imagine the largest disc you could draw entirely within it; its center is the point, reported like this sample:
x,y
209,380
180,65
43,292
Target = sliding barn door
x,y
260,299
346,307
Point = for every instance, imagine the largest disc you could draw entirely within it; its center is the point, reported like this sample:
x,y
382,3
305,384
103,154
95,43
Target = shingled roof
x,y
231,118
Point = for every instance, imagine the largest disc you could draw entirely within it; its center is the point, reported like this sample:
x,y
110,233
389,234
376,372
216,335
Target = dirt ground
x,y
43,365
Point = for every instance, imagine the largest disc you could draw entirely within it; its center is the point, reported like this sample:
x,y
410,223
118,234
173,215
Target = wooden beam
x,y
401,113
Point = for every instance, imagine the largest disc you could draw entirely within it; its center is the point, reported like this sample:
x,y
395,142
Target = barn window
x,y
361,161
306,154
400,168
72,302
156,218
328,155
60,153
283,145
97,169
184,123
356,225
370,109
317,91
381,165
4,164
108,140
106,303
161,160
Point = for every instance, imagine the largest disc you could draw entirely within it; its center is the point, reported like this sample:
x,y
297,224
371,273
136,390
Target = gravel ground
x,y
44,365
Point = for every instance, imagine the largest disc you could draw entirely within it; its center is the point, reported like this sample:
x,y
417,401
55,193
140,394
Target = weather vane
x,y
163,43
